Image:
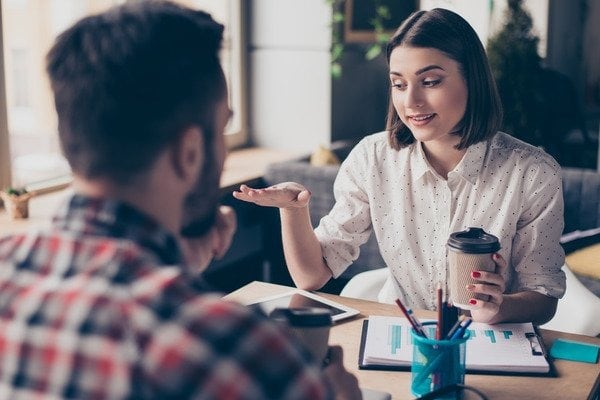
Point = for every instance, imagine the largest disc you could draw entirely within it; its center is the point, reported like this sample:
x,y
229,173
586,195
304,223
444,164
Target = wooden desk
x,y
574,380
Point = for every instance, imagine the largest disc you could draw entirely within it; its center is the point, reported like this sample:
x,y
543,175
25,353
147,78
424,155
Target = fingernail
x,y
496,256
476,274
470,287
472,301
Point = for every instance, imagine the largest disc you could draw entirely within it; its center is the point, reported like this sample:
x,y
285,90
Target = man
x,y
102,305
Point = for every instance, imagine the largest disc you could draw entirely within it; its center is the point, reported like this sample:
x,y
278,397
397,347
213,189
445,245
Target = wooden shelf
x,y
247,165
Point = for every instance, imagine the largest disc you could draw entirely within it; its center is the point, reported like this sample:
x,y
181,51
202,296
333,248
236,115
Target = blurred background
x,y
309,72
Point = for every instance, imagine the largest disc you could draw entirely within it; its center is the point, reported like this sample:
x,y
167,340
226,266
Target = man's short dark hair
x,y
129,81
449,33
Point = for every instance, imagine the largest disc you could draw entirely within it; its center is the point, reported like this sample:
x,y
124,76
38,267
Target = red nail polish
x,y
473,301
476,274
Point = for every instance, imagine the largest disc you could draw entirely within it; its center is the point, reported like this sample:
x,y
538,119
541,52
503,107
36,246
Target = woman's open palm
x,y
282,195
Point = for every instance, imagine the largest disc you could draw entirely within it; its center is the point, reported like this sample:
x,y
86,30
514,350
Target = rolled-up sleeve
x,y
537,254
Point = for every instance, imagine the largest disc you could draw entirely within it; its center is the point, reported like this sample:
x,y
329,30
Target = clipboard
x,y
370,366
533,343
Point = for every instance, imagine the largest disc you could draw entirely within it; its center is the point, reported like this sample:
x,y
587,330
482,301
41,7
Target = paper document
x,y
510,348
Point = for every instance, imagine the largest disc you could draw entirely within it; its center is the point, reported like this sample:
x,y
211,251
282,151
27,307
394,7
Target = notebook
x,y
497,349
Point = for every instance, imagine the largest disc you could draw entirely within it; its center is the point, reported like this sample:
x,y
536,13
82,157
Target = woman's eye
x,y
398,85
431,82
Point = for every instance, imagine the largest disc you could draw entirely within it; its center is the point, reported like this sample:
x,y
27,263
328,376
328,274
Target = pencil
x,y
416,326
416,320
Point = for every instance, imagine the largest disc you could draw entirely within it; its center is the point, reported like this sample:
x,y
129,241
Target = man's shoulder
x,y
66,251
8,243
23,246
170,294
123,273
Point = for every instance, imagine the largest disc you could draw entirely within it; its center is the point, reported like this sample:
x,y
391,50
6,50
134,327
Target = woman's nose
x,y
413,98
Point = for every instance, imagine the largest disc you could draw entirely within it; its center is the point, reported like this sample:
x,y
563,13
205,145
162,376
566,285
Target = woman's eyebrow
x,y
421,70
428,68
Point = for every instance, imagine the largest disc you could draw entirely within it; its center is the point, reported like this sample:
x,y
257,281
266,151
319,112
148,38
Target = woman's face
x,y
429,92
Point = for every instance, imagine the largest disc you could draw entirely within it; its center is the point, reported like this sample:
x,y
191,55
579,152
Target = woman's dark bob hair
x,y
449,33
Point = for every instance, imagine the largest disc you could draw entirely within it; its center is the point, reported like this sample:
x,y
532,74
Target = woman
x,y
440,167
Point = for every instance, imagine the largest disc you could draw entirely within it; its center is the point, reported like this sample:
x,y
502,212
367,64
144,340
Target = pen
x,y
462,328
415,324
455,327
440,313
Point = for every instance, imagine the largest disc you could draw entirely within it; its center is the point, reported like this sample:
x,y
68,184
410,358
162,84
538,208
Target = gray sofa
x,y
581,194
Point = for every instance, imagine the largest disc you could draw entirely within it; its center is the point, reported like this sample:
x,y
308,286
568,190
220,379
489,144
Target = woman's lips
x,y
421,119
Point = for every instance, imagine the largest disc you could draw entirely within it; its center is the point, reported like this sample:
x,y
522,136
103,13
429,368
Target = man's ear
x,y
188,154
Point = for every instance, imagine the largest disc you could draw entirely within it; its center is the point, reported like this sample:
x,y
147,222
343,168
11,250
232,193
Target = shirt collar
x,y
86,216
418,161
469,167
471,164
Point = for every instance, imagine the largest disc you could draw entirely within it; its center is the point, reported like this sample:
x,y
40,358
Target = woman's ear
x,y
188,154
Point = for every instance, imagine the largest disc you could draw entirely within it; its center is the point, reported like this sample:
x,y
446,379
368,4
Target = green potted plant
x,y
517,68
382,14
16,202
541,105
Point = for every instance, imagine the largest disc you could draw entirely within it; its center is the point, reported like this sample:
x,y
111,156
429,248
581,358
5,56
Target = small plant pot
x,y
17,206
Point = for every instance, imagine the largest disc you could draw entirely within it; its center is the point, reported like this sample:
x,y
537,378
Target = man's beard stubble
x,y
201,204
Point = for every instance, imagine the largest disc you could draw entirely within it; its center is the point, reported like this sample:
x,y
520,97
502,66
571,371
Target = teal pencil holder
x,y
437,363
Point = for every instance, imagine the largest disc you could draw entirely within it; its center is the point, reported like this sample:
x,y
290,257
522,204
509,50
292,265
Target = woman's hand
x,y
282,195
198,252
492,284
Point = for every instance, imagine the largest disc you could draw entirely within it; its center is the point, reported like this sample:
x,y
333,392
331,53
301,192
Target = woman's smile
x,y
420,119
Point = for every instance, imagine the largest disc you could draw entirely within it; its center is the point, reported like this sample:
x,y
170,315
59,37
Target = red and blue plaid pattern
x,y
98,308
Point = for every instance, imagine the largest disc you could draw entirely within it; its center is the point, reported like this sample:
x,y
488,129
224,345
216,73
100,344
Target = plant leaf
x,y
336,51
338,17
373,52
382,37
336,70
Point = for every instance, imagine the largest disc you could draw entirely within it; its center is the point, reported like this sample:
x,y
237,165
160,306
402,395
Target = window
x,y
20,72
29,149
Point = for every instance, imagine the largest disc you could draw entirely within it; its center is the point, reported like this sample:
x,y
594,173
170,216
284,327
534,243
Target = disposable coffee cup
x,y
469,250
310,325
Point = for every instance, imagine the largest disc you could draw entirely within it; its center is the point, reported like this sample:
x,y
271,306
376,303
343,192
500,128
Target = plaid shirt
x,y
96,308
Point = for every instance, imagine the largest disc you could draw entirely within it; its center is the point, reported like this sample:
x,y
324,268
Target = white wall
x,y
477,13
290,82
289,60
487,17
